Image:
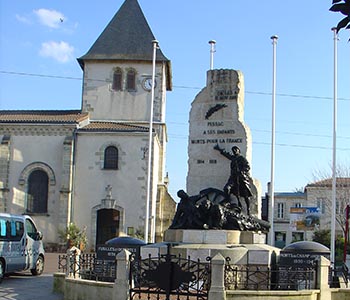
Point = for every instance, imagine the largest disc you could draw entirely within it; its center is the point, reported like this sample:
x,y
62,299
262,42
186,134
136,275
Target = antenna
x,y
212,51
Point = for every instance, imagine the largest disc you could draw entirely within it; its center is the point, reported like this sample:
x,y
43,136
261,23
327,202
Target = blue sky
x,y
46,37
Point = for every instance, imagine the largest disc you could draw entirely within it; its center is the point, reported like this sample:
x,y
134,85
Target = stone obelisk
x,y
217,117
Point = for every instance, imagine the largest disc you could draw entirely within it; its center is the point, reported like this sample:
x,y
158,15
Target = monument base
x,y
241,247
232,237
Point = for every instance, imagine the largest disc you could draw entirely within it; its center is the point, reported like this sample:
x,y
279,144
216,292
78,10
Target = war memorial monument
x,y
218,217
219,212
215,248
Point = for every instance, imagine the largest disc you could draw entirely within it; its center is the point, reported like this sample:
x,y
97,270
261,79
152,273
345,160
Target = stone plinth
x,y
249,237
202,236
222,237
242,247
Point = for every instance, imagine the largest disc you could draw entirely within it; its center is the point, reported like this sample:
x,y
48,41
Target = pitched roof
x,y
42,116
98,126
340,181
126,37
290,194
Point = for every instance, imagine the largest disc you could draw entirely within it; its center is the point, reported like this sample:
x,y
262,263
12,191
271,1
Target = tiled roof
x,y
42,116
127,36
340,181
113,127
290,194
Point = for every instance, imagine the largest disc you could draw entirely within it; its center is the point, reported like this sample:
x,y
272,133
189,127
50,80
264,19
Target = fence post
x,y
217,286
323,277
73,255
121,284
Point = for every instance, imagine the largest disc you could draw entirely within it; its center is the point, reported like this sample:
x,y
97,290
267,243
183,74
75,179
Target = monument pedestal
x,y
241,247
194,236
199,236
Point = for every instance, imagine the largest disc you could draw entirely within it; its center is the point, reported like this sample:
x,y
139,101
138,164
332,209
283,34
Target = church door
x,y
107,225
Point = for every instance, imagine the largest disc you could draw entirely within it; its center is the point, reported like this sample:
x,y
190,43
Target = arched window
x,y
131,80
37,195
111,158
117,80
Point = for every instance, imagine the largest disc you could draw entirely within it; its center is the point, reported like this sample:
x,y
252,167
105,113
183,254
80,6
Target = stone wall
x,y
273,295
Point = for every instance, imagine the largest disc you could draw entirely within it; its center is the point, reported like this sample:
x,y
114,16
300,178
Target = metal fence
x,y
243,277
236,277
169,277
339,274
87,266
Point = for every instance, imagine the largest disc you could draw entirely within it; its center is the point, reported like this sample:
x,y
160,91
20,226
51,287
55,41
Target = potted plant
x,y
73,236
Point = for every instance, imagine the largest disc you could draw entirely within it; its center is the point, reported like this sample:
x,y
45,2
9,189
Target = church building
x,y
90,166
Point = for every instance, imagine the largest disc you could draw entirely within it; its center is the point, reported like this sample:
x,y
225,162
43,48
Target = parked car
x,y
21,246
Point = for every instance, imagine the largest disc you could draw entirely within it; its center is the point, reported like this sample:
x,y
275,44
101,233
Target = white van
x,y
21,246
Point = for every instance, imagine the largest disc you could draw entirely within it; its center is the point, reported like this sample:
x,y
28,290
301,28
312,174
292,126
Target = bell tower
x,y
118,70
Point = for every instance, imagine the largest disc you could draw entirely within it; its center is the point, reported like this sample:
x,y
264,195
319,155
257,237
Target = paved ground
x,y
24,286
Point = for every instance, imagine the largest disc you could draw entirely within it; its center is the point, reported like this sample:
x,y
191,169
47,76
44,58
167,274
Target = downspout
x,y
71,212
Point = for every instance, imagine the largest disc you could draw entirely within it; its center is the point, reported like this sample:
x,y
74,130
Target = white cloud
x,y
23,19
62,51
50,18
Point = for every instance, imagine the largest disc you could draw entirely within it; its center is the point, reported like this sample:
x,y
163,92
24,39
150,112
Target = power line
x,y
174,86
297,96
198,88
301,134
277,144
49,76
301,146
39,75
279,132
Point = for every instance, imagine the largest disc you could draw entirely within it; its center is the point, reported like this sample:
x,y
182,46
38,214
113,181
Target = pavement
x,y
24,286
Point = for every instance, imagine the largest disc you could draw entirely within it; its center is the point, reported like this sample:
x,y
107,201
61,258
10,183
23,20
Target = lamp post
x,y
347,216
150,147
334,164
212,51
274,39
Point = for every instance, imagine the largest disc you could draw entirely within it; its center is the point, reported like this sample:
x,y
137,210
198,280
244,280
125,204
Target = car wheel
x,y
2,270
39,266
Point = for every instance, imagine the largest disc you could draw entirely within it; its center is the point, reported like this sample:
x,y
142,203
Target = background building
x,y
297,215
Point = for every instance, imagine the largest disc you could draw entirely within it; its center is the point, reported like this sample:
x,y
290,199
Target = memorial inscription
x,y
226,94
213,128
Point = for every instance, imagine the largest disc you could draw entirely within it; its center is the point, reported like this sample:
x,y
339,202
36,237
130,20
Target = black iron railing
x,y
87,266
173,275
168,276
243,277
339,274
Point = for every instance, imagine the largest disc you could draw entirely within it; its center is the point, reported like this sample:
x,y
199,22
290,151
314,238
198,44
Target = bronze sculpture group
x,y
216,209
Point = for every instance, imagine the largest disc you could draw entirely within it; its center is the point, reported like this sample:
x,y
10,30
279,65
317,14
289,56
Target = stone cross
x,y
109,191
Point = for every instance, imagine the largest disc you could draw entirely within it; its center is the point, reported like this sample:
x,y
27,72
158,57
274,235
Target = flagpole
x,y
334,165
150,147
212,51
274,39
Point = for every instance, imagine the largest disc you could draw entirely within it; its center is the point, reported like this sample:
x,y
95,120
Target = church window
x,y
117,80
111,158
131,80
37,195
